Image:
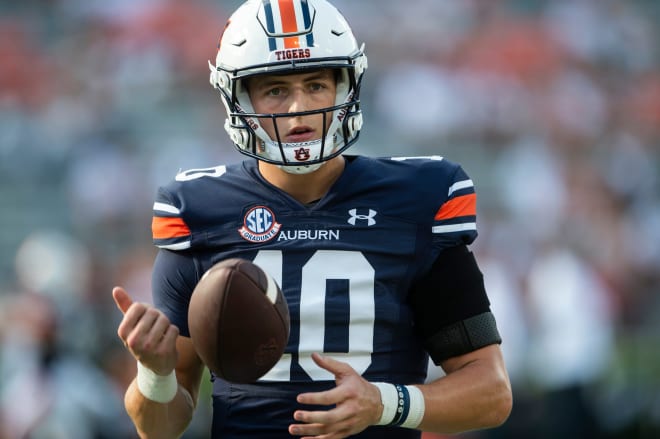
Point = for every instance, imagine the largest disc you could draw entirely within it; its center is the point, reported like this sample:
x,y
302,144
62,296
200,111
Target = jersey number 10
x,y
327,265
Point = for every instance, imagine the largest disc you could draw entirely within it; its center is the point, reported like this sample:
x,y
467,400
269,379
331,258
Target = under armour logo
x,y
368,218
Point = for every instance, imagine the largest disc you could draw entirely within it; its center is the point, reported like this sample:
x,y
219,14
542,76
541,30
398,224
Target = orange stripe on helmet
x,y
465,205
289,23
165,228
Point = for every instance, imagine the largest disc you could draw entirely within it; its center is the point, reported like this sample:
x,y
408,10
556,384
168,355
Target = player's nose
x,y
299,101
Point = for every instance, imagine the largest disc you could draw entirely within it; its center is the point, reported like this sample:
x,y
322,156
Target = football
x,y
238,320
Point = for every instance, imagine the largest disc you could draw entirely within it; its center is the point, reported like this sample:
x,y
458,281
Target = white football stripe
x,y
271,290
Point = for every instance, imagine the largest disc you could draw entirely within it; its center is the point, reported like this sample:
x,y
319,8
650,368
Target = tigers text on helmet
x,y
289,36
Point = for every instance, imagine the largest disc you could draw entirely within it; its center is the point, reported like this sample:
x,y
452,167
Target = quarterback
x,y
371,253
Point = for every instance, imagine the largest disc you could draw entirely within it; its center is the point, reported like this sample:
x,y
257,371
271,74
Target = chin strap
x,y
288,152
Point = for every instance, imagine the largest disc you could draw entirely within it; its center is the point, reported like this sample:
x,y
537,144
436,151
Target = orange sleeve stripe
x,y
165,228
289,23
465,205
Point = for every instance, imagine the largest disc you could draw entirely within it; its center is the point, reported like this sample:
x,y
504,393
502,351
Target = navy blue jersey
x,y
345,265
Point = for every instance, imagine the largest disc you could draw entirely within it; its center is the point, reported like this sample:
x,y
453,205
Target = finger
x,y
169,339
142,319
320,431
159,327
326,397
307,430
135,326
323,417
337,368
122,299
335,395
154,335
165,334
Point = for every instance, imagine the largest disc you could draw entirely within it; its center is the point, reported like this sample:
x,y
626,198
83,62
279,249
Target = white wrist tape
x,y
156,387
417,407
388,398
403,406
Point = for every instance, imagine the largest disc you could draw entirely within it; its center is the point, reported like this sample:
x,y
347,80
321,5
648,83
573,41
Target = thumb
x,y
122,299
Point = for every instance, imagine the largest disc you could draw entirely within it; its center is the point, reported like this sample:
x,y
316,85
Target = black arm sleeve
x,y
173,280
451,308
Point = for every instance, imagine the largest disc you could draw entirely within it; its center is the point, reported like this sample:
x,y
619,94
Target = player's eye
x,y
316,86
276,91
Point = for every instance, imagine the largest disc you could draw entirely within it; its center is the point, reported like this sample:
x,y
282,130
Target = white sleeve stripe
x,y
162,207
455,228
179,246
460,185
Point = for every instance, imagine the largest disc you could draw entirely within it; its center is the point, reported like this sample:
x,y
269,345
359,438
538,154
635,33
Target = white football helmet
x,y
289,36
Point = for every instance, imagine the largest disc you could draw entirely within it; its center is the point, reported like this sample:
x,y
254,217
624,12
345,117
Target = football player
x,y
371,254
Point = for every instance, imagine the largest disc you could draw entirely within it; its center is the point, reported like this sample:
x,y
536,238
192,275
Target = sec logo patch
x,y
259,225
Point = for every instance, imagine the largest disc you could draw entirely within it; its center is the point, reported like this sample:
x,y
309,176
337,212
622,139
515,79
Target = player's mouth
x,y
300,134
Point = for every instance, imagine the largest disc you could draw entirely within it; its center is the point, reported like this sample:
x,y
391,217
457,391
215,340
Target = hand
x,y
357,405
147,333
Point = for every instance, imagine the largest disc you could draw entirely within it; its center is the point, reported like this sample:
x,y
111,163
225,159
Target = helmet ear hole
x,y
237,135
223,80
355,124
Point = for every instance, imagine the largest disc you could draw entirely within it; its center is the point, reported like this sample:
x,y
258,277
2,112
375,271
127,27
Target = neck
x,y
305,188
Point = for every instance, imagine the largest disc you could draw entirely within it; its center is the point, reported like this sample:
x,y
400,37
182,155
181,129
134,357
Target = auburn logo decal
x,y
302,154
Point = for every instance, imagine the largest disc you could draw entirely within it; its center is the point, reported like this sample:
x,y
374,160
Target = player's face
x,y
294,93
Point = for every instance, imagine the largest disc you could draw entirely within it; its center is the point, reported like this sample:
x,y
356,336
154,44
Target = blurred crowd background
x,y
551,106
